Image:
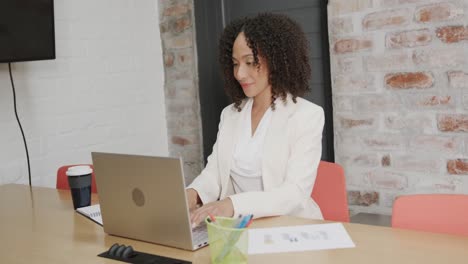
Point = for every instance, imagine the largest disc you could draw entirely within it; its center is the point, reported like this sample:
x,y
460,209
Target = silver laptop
x,y
143,197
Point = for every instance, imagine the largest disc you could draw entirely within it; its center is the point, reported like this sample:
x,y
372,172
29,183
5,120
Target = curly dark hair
x,y
283,44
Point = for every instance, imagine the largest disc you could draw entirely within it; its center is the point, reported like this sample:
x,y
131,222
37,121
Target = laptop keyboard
x,y
200,236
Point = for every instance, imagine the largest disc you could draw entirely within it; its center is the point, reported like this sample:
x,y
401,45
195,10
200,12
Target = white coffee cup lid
x,y
79,170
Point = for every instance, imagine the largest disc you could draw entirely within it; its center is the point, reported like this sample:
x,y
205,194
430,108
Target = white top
x,y
293,143
246,169
79,170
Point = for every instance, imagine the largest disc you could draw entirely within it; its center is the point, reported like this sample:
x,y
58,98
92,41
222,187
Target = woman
x,y
268,148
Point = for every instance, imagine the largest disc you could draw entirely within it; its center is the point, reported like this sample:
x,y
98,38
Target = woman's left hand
x,y
218,208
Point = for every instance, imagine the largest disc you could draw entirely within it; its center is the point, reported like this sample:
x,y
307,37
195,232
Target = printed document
x,y
299,238
92,212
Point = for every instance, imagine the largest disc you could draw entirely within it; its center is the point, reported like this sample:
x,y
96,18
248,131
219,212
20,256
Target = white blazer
x,y
291,154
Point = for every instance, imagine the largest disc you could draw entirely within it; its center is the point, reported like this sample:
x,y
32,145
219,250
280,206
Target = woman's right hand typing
x,y
193,200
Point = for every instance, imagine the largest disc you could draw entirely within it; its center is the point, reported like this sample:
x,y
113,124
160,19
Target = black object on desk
x,y
372,219
128,255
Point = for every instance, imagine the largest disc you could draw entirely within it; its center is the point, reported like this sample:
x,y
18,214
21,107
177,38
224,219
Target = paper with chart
x,y
298,238
93,212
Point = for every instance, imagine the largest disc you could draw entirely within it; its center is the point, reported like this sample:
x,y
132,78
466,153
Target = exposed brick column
x,y
181,84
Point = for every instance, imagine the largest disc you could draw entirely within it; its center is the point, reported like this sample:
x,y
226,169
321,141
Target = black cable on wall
x,y
19,123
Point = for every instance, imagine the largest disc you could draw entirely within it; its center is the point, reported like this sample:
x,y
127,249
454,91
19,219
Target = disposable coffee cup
x,y
79,179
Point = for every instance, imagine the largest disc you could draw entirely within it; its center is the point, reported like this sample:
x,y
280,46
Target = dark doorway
x,y
210,18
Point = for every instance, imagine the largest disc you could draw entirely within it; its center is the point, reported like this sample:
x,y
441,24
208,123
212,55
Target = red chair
x,y
330,192
62,180
439,213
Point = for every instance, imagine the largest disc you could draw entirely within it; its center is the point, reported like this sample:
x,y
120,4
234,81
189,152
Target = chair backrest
x,y
330,192
440,213
62,181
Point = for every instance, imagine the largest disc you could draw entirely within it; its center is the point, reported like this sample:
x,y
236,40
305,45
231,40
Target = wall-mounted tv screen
x,y
27,30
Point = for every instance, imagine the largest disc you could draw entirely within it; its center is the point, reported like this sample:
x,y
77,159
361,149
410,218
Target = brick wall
x,y
104,92
400,89
181,84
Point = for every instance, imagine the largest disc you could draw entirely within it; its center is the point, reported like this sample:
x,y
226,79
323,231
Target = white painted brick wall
x,y
399,69
104,92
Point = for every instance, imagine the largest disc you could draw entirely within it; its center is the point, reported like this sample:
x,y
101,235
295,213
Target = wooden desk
x,y
40,226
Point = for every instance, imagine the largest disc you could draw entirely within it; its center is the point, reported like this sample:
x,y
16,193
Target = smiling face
x,y
252,77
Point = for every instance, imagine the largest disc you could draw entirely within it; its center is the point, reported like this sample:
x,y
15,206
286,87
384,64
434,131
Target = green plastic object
x,y
227,243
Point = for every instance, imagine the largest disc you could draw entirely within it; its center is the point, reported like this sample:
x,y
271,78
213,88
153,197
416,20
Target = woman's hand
x,y
218,208
193,200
